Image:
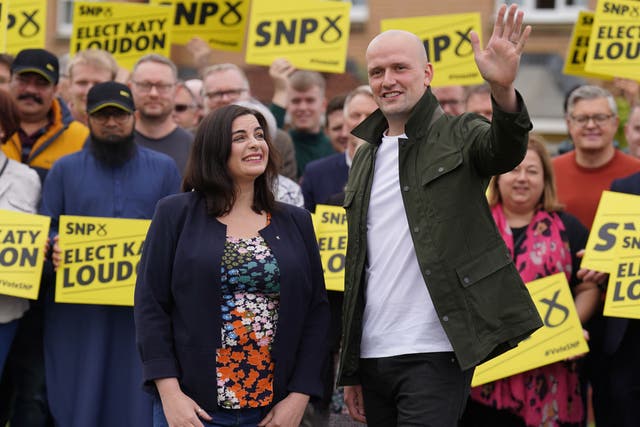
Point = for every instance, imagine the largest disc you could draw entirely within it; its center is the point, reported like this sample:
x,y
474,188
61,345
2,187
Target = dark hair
x,y
9,119
335,104
208,171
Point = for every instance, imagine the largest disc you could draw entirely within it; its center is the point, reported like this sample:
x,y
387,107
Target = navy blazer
x,y
616,327
178,298
324,178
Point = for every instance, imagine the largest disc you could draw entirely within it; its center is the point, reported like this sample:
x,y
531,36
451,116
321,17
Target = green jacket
x,y
445,166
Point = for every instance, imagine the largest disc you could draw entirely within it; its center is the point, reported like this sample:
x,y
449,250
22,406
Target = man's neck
x,y
595,159
155,129
32,126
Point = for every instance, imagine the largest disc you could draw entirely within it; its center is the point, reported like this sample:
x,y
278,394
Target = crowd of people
x,y
231,321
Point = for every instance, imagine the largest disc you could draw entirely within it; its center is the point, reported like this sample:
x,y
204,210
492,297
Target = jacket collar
x,y
372,128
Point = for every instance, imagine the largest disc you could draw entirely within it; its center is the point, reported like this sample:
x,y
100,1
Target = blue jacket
x,y
177,300
324,178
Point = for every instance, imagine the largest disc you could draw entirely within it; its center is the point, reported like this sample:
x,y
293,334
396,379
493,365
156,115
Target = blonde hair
x,y
549,198
97,58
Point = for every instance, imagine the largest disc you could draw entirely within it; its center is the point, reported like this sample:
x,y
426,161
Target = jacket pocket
x,y
483,266
440,166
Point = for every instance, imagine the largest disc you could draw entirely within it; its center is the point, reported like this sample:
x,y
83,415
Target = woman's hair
x,y
549,199
9,119
208,170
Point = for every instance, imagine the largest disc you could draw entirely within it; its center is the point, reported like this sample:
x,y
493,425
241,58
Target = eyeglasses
x,y
222,93
162,88
598,119
103,116
181,108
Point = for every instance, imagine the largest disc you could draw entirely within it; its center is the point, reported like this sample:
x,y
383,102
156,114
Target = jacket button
x,y
466,280
416,229
441,169
427,272
405,188
445,318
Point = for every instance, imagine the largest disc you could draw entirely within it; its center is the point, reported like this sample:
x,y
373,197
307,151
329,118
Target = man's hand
x,y
280,71
355,403
56,255
201,53
498,63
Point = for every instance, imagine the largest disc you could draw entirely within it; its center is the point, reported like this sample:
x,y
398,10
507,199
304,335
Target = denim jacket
x,y
445,166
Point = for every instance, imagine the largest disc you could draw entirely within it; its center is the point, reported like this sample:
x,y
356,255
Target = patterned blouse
x,y
250,298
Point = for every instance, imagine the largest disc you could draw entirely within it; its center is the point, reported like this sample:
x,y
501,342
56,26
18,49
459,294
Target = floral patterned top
x,y
250,281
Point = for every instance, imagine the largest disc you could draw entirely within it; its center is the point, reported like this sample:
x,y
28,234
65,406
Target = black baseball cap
x,y
38,61
110,94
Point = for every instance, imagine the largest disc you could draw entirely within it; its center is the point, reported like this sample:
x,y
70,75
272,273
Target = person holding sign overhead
x,y
19,191
92,370
543,241
430,288
230,305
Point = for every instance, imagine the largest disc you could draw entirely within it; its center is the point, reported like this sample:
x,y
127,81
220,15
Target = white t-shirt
x,y
399,317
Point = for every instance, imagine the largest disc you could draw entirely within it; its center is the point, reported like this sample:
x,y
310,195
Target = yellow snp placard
x,y
623,292
330,223
99,259
615,233
26,25
448,45
3,25
578,47
222,24
312,34
127,30
614,45
22,241
560,337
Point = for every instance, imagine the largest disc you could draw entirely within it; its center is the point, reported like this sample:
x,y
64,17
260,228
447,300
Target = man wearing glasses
x,y
582,174
112,177
153,84
186,111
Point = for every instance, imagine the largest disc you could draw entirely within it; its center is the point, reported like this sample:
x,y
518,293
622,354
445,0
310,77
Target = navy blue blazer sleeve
x,y
153,299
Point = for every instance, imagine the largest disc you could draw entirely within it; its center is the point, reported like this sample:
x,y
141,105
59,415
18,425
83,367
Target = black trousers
x,y
424,389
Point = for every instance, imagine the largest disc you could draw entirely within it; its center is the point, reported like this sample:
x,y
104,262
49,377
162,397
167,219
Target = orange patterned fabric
x,y
250,299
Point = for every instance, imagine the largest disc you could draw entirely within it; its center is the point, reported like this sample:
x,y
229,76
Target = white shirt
x,y
399,317
19,191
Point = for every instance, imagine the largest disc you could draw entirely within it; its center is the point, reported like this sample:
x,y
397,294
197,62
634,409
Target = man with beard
x,y
92,369
47,130
153,84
